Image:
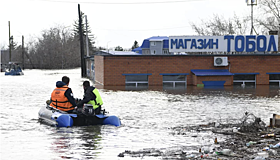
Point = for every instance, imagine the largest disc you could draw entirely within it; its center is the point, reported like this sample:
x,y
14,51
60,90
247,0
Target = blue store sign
x,y
229,43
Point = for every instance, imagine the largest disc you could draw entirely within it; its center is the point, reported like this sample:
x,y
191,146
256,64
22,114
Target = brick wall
x,y
253,64
109,69
99,69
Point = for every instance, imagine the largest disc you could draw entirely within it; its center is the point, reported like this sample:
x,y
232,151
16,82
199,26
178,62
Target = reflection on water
x,y
148,117
77,142
258,90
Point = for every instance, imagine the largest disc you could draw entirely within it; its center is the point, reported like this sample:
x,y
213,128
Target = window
x,y
174,80
244,79
153,43
137,80
274,79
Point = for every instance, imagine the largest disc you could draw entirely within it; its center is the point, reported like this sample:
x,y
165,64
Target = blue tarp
x,y
211,72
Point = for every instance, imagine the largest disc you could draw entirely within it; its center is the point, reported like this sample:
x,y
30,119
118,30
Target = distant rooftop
x,y
157,38
121,52
146,42
137,50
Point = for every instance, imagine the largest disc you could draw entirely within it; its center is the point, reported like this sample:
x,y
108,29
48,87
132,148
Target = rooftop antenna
x,y
251,3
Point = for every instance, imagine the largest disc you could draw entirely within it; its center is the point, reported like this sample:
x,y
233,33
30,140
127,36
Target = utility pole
x,y
107,47
87,35
22,49
252,3
87,63
252,24
10,47
81,43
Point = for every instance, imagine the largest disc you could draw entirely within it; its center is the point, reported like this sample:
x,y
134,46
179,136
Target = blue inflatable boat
x,y
58,118
14,69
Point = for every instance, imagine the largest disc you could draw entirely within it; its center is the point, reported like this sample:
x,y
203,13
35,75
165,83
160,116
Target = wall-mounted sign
x,y
229,43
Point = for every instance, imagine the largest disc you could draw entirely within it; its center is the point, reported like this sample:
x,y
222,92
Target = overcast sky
x,y
113,22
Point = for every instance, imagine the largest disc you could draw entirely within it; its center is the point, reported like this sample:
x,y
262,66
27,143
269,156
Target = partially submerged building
x,y
233,60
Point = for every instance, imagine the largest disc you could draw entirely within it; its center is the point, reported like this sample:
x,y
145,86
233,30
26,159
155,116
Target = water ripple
x,y
150,119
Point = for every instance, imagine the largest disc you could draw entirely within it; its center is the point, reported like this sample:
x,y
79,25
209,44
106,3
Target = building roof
x,y
159,38
146,42
137,50
211,72
121,52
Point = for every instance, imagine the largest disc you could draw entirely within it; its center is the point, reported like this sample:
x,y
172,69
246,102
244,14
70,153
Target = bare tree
x,y
56,49
268,15
220,26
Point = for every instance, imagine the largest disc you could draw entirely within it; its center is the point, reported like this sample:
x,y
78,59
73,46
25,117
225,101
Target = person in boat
x,y
91,96
18,68
62,96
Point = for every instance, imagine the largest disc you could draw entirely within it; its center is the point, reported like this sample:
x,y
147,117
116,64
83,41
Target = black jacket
x,y
88,95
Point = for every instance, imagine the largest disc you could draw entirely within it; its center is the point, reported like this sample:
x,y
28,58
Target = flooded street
x,y
148,117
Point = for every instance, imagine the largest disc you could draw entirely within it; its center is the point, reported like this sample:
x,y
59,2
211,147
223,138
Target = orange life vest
x,y
59,101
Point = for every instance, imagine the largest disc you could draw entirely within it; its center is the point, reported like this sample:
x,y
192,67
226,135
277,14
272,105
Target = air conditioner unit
x,y
220,61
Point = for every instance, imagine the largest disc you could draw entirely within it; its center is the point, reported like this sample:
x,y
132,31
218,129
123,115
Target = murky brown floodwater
x,y
147,117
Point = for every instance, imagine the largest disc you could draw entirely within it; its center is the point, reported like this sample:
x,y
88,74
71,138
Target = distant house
x,y
158,45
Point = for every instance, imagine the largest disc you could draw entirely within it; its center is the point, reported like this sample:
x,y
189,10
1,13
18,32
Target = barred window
x,y
137,80
174,80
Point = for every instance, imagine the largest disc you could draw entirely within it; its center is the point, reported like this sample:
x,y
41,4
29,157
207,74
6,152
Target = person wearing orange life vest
x,y
62,96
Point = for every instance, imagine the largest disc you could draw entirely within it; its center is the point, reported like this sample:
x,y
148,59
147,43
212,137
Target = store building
x,y
235,60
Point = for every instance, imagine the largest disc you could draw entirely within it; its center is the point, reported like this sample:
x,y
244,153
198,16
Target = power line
x,y
142,29
90,2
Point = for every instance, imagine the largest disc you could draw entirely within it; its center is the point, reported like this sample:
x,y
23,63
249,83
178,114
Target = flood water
x,y
148,117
